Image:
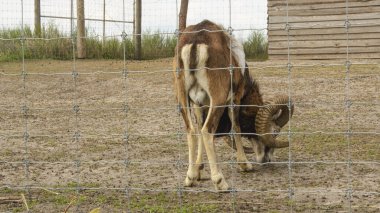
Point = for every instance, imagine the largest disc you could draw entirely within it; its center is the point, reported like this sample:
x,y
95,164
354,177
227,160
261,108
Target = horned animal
x,y
208,63
273,115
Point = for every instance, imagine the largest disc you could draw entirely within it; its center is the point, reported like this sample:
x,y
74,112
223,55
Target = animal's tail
x,y
194,56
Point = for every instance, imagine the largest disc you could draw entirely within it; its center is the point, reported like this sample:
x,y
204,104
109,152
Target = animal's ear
x,y
276,115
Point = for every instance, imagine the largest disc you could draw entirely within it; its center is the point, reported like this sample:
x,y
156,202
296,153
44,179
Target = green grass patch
x,y
256,46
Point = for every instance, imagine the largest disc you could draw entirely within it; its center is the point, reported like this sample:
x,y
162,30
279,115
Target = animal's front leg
x,y
241,157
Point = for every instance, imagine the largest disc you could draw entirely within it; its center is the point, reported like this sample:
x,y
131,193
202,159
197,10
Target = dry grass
x,y
318,92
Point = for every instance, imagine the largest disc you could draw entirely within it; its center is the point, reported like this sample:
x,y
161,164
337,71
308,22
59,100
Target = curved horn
x,y
265,117
284,117
232,144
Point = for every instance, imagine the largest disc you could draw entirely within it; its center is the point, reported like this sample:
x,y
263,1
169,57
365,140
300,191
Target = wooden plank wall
x,y
317,29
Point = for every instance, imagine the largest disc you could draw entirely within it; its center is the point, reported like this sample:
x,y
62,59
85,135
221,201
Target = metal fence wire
x,y
128,137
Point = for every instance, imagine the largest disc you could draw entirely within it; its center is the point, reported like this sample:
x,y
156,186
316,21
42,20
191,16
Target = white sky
x,y
156,14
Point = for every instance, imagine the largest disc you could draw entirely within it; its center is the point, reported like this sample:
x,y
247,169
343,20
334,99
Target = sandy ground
x,y
100,168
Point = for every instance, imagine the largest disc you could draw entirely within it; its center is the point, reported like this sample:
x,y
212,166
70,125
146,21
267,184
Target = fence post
x,y
81,42
138,30
183,14
104,21
37,18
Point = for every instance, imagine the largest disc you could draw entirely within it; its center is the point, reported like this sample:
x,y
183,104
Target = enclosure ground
x,y
146,172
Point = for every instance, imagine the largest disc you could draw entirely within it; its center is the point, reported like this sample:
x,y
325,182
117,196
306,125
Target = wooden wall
x,y
317,29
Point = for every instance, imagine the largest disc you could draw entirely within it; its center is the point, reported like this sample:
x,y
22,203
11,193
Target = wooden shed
x,y
317,29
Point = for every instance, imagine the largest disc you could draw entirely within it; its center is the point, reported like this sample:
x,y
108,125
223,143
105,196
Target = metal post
x,y
138,30
81,43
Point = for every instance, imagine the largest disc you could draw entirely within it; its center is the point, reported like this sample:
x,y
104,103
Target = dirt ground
x,y
324,170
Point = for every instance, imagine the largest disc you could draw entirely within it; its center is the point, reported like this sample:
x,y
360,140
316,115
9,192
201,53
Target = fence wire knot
x,y
25,110
289,104
179,108
233,190
26,164
179,191
348,103
124,35
348,133
125,108
126,137
177,71
289,66
177,33
24,74
347,24
22,39
74,73
125,73
230,30
291,192
73,39
287,27
232,132
349,194
231,69
26,136
77,163
348,64
76,108
289,135
76,136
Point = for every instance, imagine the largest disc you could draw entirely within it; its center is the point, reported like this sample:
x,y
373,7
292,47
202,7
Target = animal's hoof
x,y
201,167
192,177
189,182
246,167
220,183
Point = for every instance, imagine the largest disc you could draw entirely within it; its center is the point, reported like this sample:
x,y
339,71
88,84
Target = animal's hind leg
x,y
241,157
198,111
192,172
208,131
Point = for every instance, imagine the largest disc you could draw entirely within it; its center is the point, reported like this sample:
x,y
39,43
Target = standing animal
x,y
208,63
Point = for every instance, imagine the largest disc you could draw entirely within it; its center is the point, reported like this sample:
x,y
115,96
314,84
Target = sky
x,y
156,14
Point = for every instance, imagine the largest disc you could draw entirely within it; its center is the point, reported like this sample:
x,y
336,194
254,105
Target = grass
x,y
106,201
256,46
58,45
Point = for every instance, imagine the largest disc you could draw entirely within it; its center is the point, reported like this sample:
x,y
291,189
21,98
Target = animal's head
x,y
263,152
269,121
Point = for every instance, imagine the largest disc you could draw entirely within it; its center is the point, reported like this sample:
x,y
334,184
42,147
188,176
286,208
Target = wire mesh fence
x,y
81,134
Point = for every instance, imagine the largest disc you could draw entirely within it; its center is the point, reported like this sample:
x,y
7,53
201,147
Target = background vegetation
x,y
57,45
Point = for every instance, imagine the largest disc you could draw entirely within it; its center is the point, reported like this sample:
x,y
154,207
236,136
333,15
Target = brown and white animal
x,y
203,81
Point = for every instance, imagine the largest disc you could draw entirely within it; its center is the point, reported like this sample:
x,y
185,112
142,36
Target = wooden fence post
x,y
37,18
137,30
183,14
81,30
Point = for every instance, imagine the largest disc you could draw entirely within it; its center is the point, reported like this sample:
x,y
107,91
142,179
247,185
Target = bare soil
x,y
324,170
